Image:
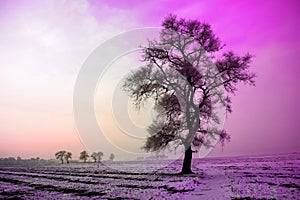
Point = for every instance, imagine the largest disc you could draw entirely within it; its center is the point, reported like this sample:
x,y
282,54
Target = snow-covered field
x,y
257,177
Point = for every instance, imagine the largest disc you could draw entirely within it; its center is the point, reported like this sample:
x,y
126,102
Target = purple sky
x,y
44,43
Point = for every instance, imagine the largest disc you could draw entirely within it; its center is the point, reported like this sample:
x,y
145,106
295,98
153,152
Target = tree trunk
x,y
62,161
187,162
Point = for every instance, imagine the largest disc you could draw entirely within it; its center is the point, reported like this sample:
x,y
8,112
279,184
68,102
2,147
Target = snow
x,y
256,177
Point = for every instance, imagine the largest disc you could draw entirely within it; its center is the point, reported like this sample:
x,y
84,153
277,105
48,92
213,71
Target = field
x,y
257,177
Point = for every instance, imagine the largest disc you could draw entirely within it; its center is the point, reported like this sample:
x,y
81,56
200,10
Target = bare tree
x,y
100,155
68,156
97,157
94,156
84,156
111,157
186,75
60,156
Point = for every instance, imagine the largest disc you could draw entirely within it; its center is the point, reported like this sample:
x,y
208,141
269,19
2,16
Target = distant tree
x,y
100,155
97,156
60,156
84,156
19,158
94,156
11,158
111,157
68,156
186,74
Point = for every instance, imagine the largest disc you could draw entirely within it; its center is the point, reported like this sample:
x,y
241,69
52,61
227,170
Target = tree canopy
x,y
84,156
187,75
60,155
68,156
97,157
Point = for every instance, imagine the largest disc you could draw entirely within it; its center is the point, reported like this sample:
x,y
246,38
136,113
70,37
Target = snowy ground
x,y
258,177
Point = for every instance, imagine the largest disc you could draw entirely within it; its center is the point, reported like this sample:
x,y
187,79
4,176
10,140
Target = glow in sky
x,y
44,43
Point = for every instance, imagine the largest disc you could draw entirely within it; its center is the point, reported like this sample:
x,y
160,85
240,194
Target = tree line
x,y
84,156
30,161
